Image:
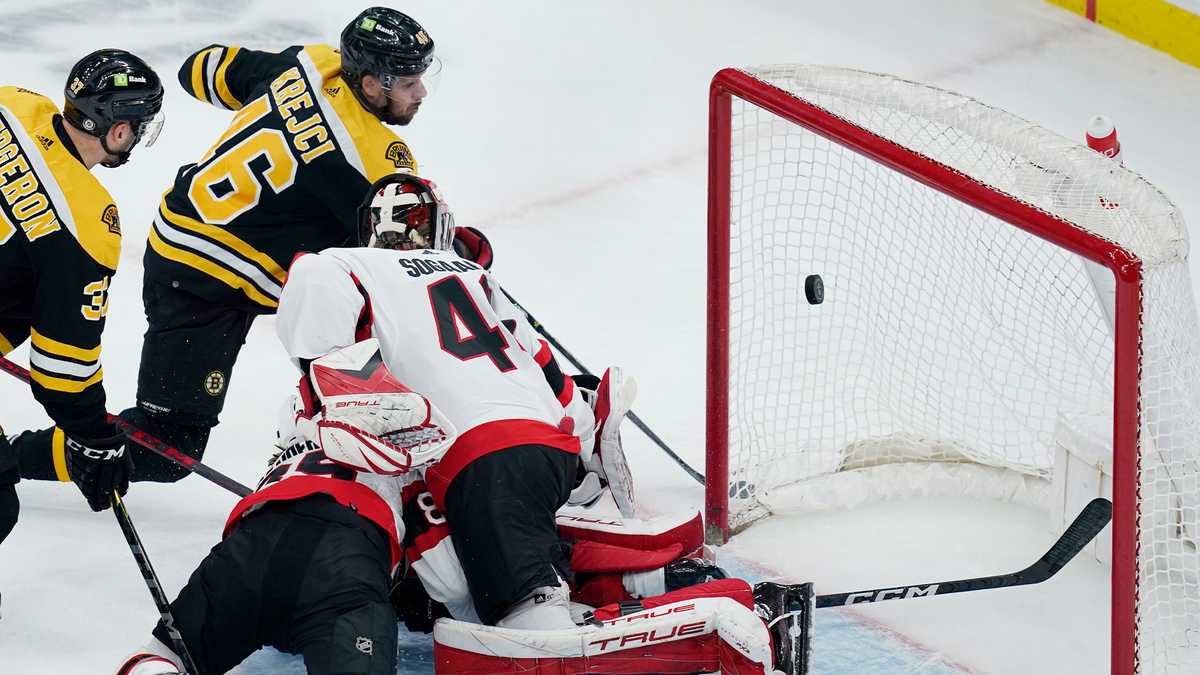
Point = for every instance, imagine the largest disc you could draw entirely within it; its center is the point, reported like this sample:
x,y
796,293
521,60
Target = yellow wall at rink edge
x,y
1157,23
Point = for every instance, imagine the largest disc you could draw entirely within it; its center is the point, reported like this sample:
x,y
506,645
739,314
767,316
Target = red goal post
x,y
761,166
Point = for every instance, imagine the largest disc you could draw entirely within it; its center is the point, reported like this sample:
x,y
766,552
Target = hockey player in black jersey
x,y
60,239
310,133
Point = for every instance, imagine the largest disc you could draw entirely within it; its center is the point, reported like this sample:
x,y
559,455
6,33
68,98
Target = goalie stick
x,y
788,608
1085,527
156,445
637,421
153,584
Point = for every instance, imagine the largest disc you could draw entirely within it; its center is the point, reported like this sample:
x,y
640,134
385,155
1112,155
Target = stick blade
x,y
1093,518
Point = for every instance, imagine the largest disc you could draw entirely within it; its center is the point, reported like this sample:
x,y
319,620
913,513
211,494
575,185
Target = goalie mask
x,y
405,212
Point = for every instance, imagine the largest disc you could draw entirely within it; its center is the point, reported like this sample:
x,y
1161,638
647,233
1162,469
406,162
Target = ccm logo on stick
x,y
891,593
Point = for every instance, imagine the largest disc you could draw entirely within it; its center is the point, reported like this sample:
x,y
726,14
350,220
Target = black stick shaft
x,y
1082,530
156,592
637,421
155,445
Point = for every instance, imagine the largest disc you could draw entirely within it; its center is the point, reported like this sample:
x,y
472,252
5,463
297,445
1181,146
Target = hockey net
x,y
986,281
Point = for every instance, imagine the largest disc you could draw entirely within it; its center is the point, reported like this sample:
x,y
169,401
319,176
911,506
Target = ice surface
x,y
575,136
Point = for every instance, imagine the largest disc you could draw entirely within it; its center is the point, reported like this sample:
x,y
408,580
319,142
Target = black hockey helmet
x,y
387,44
382,41
110,86
403,211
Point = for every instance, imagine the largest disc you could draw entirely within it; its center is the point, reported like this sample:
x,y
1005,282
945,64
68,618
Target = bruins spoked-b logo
x,y
399,155
111,219
214,383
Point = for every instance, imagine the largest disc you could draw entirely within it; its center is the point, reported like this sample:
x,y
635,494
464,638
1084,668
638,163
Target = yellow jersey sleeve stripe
x,y
225,237
198,73
63,385
58,451
52,346
222,89
5,345
211,269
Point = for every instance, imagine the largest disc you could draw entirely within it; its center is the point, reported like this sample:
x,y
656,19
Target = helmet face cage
x,y
404,212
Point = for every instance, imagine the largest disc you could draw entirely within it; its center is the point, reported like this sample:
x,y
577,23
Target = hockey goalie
x,y
429,458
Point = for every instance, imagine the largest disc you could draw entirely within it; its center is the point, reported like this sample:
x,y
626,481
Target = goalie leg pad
x,y
681,534
714,634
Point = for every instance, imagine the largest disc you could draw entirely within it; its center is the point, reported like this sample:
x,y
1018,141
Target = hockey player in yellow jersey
x,y
60,239
310,131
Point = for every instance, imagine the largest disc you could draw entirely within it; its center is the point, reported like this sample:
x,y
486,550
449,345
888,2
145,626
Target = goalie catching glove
x,y
362,416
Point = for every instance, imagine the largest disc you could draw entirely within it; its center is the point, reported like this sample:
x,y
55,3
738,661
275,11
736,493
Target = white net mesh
x,y
947,335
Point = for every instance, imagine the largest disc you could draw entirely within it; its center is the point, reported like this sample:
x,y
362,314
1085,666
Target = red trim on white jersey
x,y
296,257
366,317
543,355
567,393
490,437
356,496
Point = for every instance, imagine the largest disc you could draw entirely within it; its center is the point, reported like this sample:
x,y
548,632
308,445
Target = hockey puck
x,y
814,289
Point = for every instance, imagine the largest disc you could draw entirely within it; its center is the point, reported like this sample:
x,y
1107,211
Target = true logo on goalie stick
x,y
214,383
399,154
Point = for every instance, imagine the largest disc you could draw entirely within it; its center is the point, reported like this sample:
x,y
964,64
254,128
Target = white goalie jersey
x,y
445,330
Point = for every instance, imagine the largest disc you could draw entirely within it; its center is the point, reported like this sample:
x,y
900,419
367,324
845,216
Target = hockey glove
x,y
689,572
369,420
470,243
99,467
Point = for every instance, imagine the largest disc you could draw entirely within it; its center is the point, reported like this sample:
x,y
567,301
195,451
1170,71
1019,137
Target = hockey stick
x,y
1086,526
637,421
152,443
152,583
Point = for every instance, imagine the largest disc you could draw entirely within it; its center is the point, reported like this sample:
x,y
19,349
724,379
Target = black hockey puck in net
x,y
814,289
